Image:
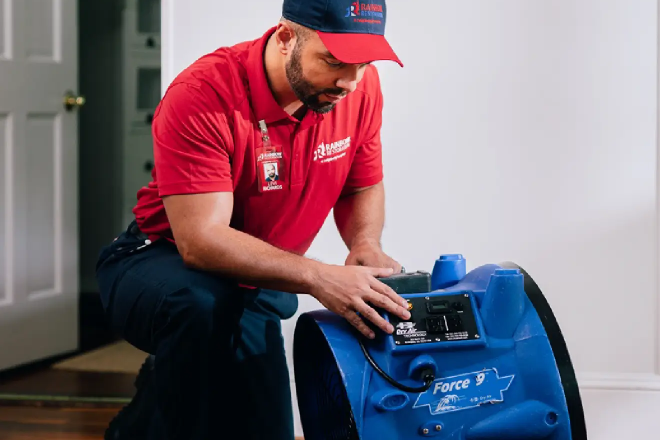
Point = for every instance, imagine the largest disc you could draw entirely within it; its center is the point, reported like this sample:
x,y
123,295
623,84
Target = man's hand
x,y
349,290
370,254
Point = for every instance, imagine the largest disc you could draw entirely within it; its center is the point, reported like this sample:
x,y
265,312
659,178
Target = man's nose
x,y
349,80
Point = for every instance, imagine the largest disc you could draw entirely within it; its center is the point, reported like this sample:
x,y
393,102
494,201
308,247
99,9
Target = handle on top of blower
x,y
409,282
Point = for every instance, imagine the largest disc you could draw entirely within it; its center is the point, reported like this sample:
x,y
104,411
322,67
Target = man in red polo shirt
x,y
254,146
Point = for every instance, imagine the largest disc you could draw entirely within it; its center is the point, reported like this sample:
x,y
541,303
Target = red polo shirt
x,y
206,136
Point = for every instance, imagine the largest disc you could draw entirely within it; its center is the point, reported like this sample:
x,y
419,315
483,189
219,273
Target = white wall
x,y
521,131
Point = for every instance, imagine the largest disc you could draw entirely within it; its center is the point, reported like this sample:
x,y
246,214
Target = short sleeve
x,y
192,146
367,166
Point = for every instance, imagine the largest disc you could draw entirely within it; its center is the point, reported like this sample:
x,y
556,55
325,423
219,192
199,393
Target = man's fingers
x,y
380,272
386,261
357,322
386,290
374,317
384,302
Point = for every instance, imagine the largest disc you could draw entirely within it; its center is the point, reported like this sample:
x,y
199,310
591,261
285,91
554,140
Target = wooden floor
x,y
52,423
48,404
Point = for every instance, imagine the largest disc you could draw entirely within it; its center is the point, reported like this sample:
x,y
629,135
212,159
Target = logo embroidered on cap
x,y
358,9
330,152
353,10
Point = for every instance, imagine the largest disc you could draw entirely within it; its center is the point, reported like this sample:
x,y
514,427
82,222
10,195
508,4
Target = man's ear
x,y
285,38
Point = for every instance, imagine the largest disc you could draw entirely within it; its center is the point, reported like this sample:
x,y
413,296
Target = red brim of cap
x,y
351,48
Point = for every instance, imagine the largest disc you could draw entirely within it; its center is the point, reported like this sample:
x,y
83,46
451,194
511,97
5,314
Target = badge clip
x,y
264,133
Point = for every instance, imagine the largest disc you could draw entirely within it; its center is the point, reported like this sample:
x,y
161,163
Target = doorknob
x,y
72,101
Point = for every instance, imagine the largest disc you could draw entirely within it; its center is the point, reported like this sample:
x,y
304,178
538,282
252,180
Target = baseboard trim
x,y
619,381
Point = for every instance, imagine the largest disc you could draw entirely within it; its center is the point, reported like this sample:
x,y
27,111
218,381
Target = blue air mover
x,y
482,357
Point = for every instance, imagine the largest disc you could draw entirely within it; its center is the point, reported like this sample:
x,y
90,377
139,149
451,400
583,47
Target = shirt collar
x,y
264,105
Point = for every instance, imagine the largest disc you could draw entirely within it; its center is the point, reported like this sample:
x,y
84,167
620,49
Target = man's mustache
x,y
333,92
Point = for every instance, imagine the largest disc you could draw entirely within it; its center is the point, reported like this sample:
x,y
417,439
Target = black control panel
x,y
436,319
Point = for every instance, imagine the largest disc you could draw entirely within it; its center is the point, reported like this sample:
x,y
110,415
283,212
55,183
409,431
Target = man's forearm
x,y
360,216
249,260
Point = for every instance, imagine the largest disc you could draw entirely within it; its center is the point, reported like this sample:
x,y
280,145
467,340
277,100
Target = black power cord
x,y
404,283
426,374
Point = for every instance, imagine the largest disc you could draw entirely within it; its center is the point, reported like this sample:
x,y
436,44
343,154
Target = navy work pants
x,y
220,366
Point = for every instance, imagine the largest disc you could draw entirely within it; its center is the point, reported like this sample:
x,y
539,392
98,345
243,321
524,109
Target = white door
x,y
38,180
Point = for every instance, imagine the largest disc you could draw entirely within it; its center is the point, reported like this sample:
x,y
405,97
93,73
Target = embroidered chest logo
x,y
331,152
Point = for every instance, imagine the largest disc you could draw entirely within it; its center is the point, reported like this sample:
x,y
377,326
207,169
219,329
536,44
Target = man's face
x,y
270,169
317,78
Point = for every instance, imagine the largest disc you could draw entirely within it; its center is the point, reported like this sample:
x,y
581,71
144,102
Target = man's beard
x,y
305,91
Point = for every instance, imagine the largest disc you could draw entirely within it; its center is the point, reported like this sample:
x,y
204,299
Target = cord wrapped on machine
x,y
482,357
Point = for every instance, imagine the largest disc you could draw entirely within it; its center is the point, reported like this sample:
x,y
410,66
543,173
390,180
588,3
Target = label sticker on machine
x,y
409,333
465,391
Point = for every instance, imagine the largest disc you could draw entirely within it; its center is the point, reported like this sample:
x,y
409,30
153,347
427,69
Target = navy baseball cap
x,y
353,31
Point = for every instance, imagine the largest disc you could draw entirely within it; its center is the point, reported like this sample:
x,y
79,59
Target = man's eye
x,y
333,64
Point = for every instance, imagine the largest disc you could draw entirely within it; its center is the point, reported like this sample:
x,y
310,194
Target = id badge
x,y
270,163
270,168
